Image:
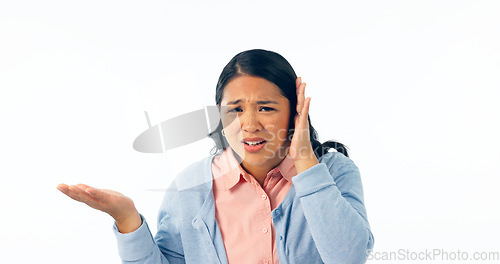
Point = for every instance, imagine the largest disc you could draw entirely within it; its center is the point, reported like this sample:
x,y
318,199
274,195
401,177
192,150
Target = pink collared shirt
x,y
243,208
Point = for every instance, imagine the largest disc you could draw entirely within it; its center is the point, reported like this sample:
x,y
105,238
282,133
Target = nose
x,y
250,122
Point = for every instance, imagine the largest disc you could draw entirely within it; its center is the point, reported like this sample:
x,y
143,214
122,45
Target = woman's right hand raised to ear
x,y
117,205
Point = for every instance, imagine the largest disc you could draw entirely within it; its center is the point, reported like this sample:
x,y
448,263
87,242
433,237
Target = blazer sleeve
x,y
331,196
139,246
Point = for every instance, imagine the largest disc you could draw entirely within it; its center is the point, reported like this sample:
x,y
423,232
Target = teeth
x,y
253,143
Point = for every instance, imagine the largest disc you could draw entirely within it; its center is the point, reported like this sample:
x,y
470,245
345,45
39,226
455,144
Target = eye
x,y
269,108
237,108
233,110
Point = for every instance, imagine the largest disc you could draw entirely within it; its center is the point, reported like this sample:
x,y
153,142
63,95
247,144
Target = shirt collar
x,y
232,171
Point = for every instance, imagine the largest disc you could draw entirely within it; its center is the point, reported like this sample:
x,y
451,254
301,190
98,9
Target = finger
x,y
82,195
82,186
69,191
304,123
66,190
98,193
305,110
74,191
62,187
298,81
300,97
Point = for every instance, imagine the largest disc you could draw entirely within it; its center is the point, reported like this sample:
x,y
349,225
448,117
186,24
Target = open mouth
x,y
254,143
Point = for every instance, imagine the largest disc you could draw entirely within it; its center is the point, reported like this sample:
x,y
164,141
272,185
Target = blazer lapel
x,y
206,224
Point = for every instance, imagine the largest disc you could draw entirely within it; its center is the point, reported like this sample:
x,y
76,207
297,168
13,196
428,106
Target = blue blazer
x,y
322,219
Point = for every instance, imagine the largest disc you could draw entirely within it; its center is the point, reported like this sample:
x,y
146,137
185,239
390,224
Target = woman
x,y
270,194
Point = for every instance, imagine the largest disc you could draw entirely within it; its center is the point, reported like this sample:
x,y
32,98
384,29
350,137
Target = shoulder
x,y
336,160
194,181
195,175
342,168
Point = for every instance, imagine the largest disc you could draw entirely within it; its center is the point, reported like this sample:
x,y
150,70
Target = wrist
x,y
305,164
129,223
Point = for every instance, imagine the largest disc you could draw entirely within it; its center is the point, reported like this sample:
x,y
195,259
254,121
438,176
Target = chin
x,y
256,161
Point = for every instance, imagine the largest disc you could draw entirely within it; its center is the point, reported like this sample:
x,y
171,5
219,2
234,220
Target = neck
x,y
260,171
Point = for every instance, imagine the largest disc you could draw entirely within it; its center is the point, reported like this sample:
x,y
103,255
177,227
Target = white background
x,y
411,87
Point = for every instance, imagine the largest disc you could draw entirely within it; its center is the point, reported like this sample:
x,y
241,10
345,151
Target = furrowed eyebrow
x,y
258,102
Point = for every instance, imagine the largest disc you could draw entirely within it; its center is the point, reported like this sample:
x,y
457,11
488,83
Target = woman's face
x,y
254,108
